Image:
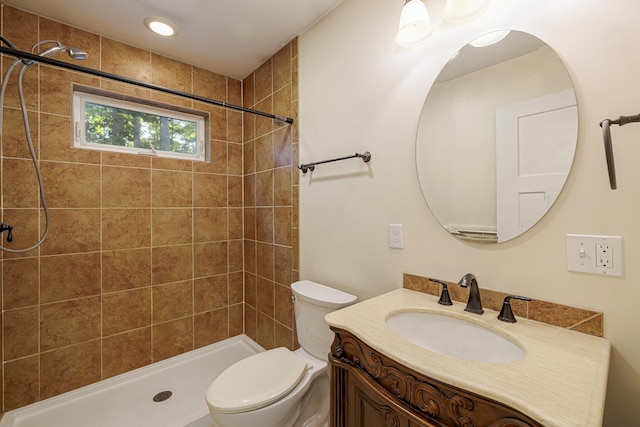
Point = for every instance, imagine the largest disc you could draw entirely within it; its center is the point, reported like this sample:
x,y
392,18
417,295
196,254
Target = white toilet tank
x,y
312,302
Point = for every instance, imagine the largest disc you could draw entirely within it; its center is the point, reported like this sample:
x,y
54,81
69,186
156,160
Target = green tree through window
x,y
113,124
118,126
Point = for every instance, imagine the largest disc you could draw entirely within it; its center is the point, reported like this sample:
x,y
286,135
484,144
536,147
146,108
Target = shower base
x,y
127,400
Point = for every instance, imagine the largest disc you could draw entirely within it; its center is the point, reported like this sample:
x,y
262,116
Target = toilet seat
x,y
256,381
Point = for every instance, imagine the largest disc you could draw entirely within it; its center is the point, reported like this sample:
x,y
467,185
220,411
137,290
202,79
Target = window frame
x,y
81,96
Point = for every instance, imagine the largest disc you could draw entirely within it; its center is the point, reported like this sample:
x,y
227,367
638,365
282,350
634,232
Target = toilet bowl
x,y
271,388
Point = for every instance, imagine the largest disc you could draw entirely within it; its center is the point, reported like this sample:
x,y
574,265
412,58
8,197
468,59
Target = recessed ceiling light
x,y
161,26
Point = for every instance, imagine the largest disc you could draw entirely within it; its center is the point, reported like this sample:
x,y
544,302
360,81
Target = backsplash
x,y
573,318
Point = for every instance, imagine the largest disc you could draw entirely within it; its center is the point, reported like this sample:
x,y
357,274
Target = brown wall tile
x,y
69,368
69,276
71,185
171,264
236,320
171,189
126,269
172,301
126,228
171,226
209,224
24,195
123,311
20,280
22,379
264,224
172,338
126,187
170,73
13,136
20,332
265,331
235,254
69,322
265,296
125,60
71,231
264,153
124,352
282,67
264,81
210,327
264,188
209,191
211,293
210,259
236,288
265,260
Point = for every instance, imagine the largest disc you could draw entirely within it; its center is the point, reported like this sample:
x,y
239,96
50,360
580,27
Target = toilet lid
x,y
256,381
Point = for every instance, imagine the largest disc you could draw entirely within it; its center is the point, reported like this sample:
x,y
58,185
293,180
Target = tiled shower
x,y
147,257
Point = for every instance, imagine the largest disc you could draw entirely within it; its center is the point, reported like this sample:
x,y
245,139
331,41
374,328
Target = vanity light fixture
x,y
463,10
490,38
161,26
415,24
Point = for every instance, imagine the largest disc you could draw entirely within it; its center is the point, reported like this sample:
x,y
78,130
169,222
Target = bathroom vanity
x,y
380,378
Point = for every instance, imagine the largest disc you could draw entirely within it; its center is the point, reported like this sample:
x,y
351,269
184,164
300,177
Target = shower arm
x,y
608,146
279,120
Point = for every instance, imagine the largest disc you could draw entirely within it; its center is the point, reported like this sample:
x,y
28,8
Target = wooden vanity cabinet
x,y
369,389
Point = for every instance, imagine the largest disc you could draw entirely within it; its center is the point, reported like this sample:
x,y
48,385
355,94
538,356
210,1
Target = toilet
x,y
271,389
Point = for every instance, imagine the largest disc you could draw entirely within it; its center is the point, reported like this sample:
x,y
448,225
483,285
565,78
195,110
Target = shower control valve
x,y
5,227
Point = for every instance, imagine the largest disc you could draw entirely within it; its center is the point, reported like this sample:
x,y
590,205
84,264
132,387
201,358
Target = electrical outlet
x,y
604,255
594,254
395,236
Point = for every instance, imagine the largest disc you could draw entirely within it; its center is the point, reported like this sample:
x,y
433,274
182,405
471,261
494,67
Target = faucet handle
x,y
506,314
445,299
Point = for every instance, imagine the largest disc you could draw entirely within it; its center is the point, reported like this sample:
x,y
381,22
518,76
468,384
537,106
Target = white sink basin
x,y
454,337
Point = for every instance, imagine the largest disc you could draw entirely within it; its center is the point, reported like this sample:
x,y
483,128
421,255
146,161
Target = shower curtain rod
x,y
33,57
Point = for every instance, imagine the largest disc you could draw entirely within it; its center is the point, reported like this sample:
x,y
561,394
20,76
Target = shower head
x,y
77,53
74,52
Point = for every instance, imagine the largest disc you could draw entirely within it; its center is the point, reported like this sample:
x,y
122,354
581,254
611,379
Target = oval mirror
x,y
496,137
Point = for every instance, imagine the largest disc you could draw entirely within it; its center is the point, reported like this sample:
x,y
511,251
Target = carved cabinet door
x,y
373,410
358,402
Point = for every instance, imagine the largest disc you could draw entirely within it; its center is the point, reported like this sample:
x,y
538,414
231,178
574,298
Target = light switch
x,y
594,254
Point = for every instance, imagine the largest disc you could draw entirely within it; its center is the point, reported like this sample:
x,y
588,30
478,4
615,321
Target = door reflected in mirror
x,y
496,138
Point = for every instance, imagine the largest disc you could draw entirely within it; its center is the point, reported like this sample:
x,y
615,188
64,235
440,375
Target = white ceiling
x,y
230,37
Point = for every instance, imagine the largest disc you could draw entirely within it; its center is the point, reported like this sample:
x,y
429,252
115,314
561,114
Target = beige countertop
x,y
560,382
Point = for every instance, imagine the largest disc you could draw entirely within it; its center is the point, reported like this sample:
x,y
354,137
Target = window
x,y
137,126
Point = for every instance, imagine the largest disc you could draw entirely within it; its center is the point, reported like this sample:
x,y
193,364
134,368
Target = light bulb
x,y
161,26
415,24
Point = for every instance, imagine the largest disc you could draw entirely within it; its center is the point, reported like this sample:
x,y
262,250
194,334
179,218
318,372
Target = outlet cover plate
x,y
582,256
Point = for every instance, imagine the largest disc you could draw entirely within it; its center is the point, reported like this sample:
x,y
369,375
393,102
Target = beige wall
x,y
359,91
145,258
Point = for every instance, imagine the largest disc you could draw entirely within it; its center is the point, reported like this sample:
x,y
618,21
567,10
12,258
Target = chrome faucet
x,y
474,305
